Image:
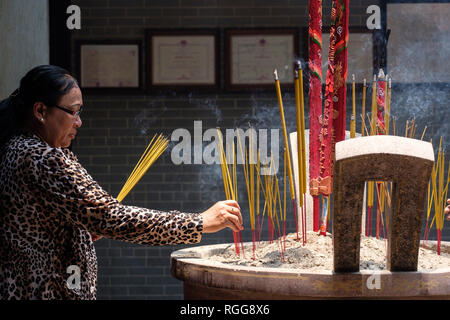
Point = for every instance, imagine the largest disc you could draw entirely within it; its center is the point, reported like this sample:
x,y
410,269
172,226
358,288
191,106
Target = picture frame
x,y
360,53
110,66
252,55
182,59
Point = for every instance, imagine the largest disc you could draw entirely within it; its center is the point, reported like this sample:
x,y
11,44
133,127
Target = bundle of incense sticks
x,y
438,196
230,184
249,174
154,149
269,186
271,192
286,145
301,148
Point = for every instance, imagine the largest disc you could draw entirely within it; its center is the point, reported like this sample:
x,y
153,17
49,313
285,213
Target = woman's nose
x,y
78,121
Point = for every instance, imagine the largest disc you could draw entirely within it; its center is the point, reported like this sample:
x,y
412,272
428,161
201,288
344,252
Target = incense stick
x,y
286,144
374,106
363,110
301,157
150,155
423,133
228,184
353,120
388,106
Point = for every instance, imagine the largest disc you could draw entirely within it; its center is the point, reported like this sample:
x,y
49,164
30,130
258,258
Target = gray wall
x,y
24,37
116,128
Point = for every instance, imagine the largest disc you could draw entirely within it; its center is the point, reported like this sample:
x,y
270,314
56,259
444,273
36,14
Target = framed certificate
x,y
359,54
110,66
254,54
182,59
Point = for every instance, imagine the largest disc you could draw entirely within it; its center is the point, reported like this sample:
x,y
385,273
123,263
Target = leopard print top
x,y
49,204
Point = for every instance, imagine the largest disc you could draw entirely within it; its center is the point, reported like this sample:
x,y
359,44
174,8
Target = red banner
x,y
381,99
340,74
315,99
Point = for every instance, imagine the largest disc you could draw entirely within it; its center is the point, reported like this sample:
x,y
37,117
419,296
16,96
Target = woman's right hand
x,y
221,215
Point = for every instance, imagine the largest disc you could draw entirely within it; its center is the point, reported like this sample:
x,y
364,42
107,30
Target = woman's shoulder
x,y
33,148
27,144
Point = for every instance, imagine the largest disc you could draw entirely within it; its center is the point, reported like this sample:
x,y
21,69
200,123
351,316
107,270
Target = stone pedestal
x,y
408,164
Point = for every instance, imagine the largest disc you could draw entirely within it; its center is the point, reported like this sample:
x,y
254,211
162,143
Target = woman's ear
x,y
39,111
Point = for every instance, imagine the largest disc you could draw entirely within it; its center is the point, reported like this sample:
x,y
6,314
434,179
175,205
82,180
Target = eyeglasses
x,y
72,112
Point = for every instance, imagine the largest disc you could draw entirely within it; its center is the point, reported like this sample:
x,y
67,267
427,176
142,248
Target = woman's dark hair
x,y
46,84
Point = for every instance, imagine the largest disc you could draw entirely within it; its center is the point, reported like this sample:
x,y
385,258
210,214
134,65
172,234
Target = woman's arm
x,y
221,215
67,189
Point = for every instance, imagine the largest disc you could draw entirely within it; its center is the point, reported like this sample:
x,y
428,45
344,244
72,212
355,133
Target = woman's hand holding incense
x,y
447,210
221,215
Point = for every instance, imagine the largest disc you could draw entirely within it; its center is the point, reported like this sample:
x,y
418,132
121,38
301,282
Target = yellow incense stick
x,y
234,173
285,184
364,126
302,124
150,155
413,129
393,126
257,184
299,136
138,166
423,133
227,172
387,113
441,190
374,107
373,131
252,176
352,120
286,143
249,184
363,111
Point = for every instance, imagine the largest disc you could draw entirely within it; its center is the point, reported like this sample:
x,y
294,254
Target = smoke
x,y
211,105
206,103
264,113
418,64
150,115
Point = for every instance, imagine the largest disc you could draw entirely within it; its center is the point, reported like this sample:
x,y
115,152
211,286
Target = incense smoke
x,y
150,115
418,63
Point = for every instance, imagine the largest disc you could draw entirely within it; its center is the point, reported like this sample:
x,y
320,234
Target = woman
x,y
50,206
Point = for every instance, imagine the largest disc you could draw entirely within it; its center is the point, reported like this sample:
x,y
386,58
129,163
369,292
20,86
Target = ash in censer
x,y
317,255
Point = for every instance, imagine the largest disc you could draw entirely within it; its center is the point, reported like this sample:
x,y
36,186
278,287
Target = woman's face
x,y
59,126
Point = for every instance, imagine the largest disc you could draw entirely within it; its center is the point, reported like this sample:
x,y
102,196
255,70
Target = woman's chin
x,y
69,140
66,143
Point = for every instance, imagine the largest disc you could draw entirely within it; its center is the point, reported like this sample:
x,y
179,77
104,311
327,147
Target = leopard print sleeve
x,y
68,190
